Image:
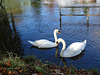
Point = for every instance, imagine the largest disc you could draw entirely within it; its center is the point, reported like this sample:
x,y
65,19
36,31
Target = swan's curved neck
x,y
63,48
55,36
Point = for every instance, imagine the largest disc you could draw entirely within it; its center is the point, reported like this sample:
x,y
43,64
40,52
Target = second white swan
x,y
72,50
43,43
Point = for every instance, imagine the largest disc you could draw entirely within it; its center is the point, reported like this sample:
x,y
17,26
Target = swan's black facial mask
x,y
57,43
59,32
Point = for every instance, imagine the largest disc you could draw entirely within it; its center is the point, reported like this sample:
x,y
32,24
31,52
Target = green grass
x,y
94,70
29,65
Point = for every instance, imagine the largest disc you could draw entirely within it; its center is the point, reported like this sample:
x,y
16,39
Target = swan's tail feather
x,y
31,42
85,41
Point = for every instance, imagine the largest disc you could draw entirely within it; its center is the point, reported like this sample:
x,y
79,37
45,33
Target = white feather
x,y
73,49
43,43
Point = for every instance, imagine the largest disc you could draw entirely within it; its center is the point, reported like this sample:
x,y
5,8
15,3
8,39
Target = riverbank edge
x,y
11,64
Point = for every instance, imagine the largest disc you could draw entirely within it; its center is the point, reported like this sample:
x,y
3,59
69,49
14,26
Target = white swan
x,y
46,2
72,50
43,43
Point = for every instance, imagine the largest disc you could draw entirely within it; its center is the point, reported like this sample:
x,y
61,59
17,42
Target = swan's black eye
x,y
59,31
57,42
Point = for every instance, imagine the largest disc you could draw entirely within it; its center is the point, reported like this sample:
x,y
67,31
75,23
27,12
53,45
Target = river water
x,y
34,20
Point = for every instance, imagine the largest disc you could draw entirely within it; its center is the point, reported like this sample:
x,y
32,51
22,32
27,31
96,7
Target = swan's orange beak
x,y
57,44
59,32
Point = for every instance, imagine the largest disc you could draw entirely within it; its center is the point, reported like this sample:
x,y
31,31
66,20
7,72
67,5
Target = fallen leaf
x,y
40,73
9,72
82,70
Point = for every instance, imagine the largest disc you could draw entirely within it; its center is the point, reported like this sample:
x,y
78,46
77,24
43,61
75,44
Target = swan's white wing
x,y
43,43
74,49
47,44
39,42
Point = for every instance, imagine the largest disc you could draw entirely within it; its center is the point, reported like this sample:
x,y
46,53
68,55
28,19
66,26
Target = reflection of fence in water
x,y
86,14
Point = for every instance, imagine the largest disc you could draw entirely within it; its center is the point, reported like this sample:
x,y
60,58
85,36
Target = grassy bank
x,y
11,64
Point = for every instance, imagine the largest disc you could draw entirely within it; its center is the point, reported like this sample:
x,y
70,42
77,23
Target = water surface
x,y
35,20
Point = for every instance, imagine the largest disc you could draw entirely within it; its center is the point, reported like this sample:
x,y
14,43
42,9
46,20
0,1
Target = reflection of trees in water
x,y
87,1
37,6
9,38
1,4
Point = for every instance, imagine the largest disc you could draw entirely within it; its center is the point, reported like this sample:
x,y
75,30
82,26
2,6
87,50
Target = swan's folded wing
x,y
37,42
43,43
47,44
74,49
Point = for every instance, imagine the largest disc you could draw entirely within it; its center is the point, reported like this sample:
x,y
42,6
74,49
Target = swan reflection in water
x,y
57,55
78,57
